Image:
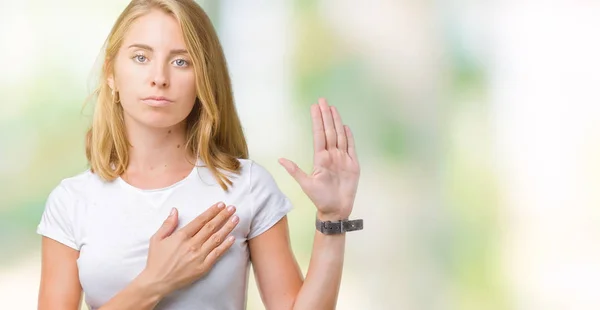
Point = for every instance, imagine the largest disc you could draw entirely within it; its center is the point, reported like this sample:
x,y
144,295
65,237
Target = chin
x,y
157,120
161,122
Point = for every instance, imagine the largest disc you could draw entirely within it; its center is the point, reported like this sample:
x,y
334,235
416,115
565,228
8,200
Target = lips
x,y
157,101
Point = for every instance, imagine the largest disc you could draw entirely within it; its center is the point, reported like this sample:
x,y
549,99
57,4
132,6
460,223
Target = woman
x,y
147,225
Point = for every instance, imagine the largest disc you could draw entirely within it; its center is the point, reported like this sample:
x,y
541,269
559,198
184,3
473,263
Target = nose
x,y
160,77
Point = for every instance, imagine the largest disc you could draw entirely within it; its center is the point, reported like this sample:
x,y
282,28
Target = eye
x,y
140,58
180,62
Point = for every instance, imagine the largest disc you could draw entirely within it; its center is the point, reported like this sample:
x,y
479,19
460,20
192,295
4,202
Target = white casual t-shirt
x,y
111,223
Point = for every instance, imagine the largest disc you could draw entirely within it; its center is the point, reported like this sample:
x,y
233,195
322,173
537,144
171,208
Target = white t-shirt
x,y
110,223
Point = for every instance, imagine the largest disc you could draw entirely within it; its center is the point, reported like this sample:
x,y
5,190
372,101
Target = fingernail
x,y
172,212
221,205
234,219
230,238
230,208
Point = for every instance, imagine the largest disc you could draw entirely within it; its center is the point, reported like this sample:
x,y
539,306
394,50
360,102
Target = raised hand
x,y
333,182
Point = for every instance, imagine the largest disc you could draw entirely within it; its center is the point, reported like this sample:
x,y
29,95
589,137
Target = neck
x,y
157,149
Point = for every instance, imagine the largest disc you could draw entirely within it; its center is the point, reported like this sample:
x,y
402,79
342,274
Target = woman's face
x,y
153,73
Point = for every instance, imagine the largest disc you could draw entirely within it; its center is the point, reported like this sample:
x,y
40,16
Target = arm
x,y
59,284
322,284
140,294
279,278
331,187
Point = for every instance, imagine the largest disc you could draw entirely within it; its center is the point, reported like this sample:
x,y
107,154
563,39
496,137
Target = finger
x,y
351,145
330,135
217,252
293,169
168,226
318,131
342,142
213,226
219,237
196,224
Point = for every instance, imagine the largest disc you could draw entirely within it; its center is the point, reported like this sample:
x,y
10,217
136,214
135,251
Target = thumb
x,y
293,169
168,226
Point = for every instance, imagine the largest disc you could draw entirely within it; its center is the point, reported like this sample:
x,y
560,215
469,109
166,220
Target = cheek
x,y
128,81
185,86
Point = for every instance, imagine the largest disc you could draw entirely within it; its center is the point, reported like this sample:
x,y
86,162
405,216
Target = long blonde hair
x,y
214,133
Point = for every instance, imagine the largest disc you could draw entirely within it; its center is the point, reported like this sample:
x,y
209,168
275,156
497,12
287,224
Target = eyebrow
x,y
147,47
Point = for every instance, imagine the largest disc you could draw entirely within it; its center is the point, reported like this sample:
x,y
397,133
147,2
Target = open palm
x,y
333,182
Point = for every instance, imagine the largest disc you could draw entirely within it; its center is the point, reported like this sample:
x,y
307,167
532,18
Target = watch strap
x,y
338,227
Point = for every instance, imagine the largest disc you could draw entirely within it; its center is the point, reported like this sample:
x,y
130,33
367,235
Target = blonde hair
x,y
214,133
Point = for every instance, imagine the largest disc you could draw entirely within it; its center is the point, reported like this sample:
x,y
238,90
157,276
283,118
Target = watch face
x,y
328,228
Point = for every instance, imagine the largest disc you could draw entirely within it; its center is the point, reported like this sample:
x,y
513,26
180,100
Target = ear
x,y
111,82
110,76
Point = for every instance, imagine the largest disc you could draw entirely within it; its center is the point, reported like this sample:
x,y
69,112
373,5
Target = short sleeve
x,y
269,204
57,219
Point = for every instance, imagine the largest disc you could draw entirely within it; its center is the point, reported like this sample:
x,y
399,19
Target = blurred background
x,y
477,125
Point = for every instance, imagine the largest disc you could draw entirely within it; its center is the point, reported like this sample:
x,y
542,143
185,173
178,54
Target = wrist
x,y
333,217
152,289
333,224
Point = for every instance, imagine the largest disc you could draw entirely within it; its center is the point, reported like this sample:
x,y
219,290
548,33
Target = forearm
x,y
321,286
141,294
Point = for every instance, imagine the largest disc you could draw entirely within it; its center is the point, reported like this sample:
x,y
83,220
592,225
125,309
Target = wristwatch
x,y
338,227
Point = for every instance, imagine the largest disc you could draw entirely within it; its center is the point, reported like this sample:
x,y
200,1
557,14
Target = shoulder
x,y
76,185
260,182
250,176
254,172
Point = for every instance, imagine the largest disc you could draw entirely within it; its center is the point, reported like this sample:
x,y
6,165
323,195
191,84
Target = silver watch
x,y
338,227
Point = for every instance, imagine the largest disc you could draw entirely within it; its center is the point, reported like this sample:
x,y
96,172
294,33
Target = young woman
x,y
172,211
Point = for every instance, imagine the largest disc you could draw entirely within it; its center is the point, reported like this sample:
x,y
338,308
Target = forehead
x,y
156,29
